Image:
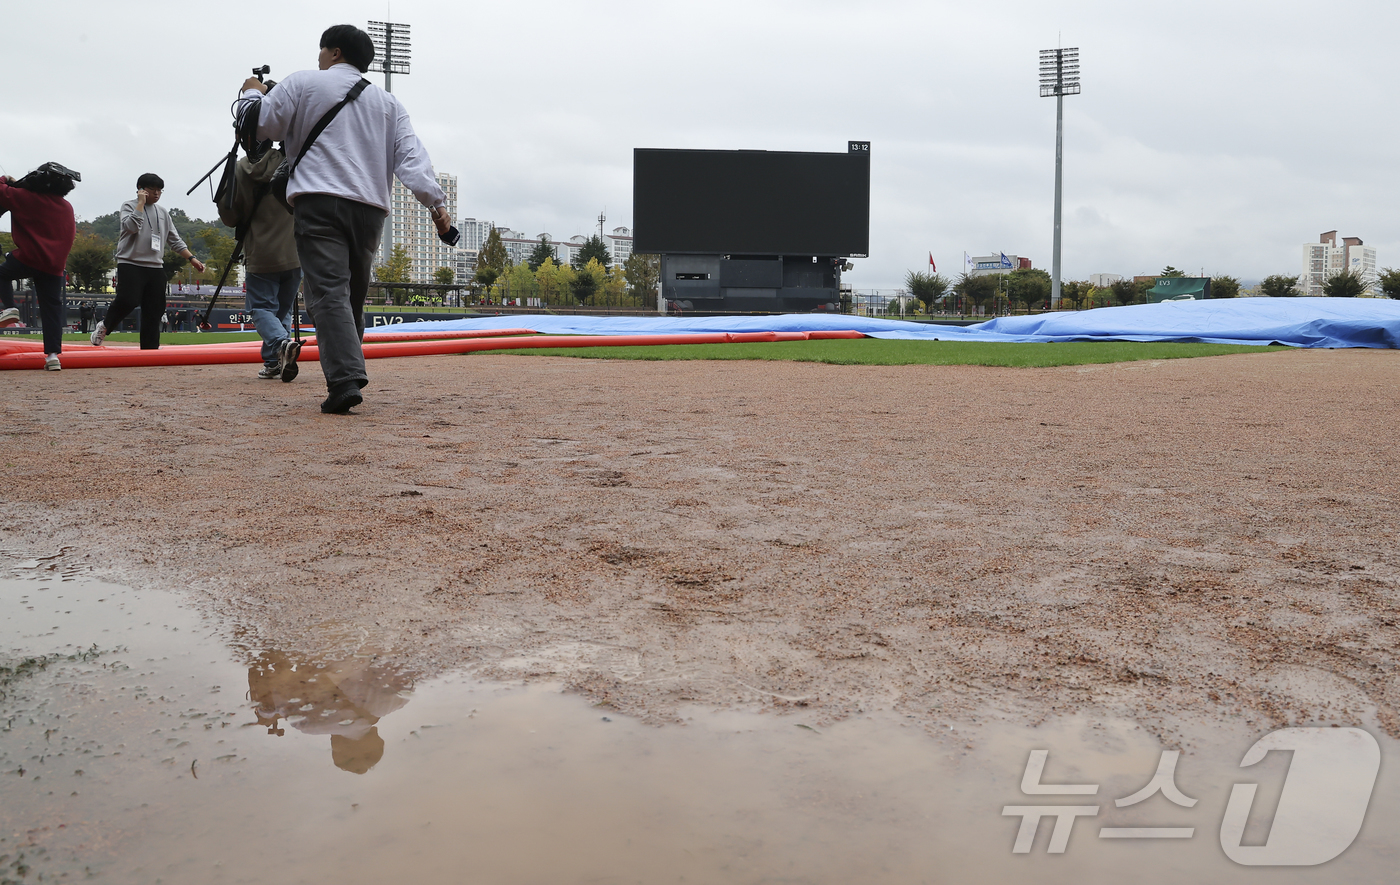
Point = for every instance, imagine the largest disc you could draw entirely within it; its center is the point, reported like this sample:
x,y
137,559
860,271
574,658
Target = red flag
x,y
931,264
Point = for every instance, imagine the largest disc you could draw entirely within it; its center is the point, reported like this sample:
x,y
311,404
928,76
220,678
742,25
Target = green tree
x,y
1170,271
444,276
1279,286
108,227
1030,286
927,287
1389,280
978,290
1124,291
90,262
592,250
486,277
643,273
1075,292
194,231
218,247
395,270
492,259
542,252
172,263
588,280
7,243
1224,287
1344,284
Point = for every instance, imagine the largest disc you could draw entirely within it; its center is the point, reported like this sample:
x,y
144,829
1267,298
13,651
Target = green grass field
x,y
879,352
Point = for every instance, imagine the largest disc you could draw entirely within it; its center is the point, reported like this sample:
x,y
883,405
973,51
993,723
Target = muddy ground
x,y
1209,538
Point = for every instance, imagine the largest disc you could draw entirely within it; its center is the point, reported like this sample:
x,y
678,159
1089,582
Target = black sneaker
x,y
287,356
340,403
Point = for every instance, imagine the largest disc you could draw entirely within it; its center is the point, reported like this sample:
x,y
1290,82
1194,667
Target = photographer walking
x,y
43,230
146,231
270,257
339,189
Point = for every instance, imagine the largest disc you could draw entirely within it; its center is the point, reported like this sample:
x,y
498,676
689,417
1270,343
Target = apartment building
x,y
1325,258
410,226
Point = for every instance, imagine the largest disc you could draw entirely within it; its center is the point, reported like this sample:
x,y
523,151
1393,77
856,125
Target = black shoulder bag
x,y
283,175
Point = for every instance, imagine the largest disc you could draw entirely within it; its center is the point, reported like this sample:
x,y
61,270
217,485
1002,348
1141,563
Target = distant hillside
x,y
108,226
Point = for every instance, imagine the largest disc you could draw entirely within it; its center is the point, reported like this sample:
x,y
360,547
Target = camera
x,y
50,178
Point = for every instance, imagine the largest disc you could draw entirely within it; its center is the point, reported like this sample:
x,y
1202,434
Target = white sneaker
x,y
51,362
99,334
9,316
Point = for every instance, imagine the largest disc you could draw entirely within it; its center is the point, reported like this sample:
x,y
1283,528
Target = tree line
x,y
93,256
1030,287
590,278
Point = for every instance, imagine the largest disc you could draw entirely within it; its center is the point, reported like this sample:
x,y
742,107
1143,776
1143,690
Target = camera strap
x,y
325,121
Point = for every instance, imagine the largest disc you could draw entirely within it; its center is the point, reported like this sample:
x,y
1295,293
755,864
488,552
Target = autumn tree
x,y
552,280
614,284
518,282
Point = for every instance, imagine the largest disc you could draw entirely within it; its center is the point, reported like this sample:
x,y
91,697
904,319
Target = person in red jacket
x,y
43,230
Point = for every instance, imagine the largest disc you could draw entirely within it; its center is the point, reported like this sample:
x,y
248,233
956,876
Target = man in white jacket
x,y
340,191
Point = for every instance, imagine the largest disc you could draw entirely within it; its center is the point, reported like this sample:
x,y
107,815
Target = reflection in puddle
x,y
344,699
150,763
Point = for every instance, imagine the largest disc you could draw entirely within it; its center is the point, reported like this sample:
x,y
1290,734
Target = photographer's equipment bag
x,y
283,176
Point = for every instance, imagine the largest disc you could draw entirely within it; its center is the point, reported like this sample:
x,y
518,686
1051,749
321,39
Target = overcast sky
x,y
1213,136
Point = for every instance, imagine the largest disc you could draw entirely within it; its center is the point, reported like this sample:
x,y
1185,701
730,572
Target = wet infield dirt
x,y
1199,551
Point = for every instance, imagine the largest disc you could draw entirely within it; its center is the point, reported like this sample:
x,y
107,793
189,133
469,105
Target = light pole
x,y
1059,76
392,50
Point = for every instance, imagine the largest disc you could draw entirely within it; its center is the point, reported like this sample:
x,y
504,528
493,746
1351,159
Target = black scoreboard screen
x,y
752,202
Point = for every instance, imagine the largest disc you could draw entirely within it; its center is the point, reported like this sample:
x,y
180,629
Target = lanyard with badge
x,y
155,231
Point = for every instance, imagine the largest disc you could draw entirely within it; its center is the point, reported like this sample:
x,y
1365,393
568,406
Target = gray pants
x,y
337,240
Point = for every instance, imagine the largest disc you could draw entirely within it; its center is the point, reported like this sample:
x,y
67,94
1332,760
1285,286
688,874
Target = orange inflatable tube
x,y
22,354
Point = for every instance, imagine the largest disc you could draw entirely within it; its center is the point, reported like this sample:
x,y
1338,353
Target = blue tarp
x,y
1299,322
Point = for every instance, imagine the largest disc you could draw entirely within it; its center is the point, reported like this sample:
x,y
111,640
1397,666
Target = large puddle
x,y
141,744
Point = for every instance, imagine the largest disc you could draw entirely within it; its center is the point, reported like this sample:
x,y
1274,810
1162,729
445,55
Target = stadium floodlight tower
x,y
1059,76
392,49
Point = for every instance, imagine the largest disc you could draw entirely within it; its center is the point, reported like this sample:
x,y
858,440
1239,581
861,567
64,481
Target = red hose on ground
x,y
82,356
